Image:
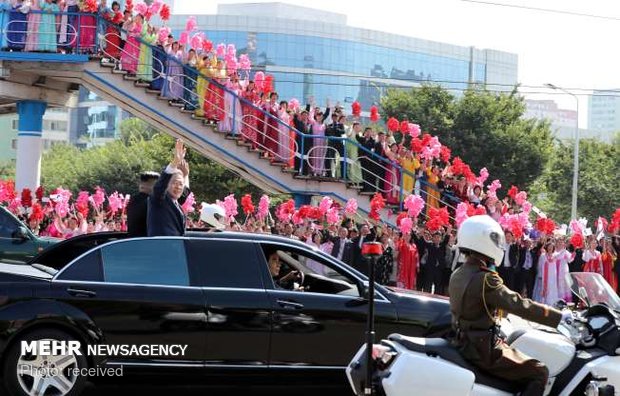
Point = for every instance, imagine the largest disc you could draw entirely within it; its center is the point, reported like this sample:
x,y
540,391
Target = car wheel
x,y
41,375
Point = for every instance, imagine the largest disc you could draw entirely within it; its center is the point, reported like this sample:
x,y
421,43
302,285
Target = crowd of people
x,y
416,256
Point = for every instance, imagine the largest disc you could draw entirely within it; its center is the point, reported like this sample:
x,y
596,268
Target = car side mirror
x,y
363,289
21,234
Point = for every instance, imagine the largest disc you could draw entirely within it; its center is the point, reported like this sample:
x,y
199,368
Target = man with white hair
x,y
165,216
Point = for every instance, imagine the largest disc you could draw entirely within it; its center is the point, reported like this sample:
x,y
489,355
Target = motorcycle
x,y
582,355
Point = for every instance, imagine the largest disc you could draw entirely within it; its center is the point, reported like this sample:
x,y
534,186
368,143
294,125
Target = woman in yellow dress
x,y
410,164
202,83
432,192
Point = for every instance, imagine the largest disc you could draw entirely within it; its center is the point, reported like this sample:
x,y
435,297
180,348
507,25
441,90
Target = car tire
x,y
50,374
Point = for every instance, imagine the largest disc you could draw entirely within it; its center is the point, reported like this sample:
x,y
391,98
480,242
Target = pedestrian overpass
x,y
32,81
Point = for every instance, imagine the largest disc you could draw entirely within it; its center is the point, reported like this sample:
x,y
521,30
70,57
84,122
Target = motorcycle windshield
x,y
595,288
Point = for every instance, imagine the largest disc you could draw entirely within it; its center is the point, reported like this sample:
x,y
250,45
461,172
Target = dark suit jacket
x,y
305,129
346,253
136,215
137,210
357,260
367,143
436,255
523,252
577,264
514,253
164,217
335,130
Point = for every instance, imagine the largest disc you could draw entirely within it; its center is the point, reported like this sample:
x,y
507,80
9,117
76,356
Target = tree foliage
x,y
598,184
485,129
116,165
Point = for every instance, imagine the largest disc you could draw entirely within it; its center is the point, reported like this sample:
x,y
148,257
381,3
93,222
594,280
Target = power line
x,y
522,89
550,10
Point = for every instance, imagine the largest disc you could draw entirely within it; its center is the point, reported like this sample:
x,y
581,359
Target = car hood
x,y
9,272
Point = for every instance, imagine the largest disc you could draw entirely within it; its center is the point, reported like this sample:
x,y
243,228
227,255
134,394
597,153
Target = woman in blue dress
x,y
189,81
17,26
5,8
159,65
47,29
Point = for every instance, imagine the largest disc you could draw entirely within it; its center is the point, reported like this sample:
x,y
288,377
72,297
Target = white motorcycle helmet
x,y
483,235
213,215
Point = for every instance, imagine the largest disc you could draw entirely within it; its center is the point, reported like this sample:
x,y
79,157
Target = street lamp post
x,y
573,209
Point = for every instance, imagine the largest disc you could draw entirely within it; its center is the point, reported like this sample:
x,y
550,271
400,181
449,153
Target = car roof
x,y
60,254
247,236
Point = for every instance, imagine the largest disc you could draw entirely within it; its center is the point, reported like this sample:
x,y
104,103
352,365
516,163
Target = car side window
x,y
223,263
86,268
303,271
146,261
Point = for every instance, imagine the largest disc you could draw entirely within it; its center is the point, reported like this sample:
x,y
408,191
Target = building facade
x,y
604,111
56,126
548,109
314,54
563,121
94,121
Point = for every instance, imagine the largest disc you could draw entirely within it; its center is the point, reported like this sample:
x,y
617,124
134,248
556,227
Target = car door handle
x,y
81,292
289,304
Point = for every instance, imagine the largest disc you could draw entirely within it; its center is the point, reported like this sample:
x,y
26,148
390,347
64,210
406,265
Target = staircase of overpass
x,y
54,78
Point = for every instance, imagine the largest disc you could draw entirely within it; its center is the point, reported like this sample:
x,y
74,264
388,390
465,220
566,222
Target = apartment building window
x,y
54,125
14,124
14,144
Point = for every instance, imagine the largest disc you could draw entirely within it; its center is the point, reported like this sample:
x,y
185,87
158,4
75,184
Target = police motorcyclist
x,y
214,216
477,293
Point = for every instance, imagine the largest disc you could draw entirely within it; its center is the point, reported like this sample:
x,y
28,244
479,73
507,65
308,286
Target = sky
x,y
570,51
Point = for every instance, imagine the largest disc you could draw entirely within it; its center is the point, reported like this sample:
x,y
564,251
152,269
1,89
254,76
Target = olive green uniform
x,y
476,296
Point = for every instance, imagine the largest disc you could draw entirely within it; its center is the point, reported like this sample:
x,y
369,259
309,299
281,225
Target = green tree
x,y
489,131
599,180
116,165
7,169
430,106
484,128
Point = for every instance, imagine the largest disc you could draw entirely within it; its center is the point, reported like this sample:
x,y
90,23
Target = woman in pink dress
x,y
260,120
249,128
593,259
272,132
131,50
34,20
319,148
284,153
407,257
87,29
233,112
391,184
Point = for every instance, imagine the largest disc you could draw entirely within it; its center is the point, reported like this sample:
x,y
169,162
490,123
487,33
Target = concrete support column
x,y
29,144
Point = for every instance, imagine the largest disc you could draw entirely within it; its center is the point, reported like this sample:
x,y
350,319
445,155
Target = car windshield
x,y
595,288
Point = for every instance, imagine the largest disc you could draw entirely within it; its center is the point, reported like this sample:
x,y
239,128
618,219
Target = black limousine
x,y
216,294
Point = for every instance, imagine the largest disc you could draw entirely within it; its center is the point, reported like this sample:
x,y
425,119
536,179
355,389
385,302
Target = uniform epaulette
x,y
493,285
